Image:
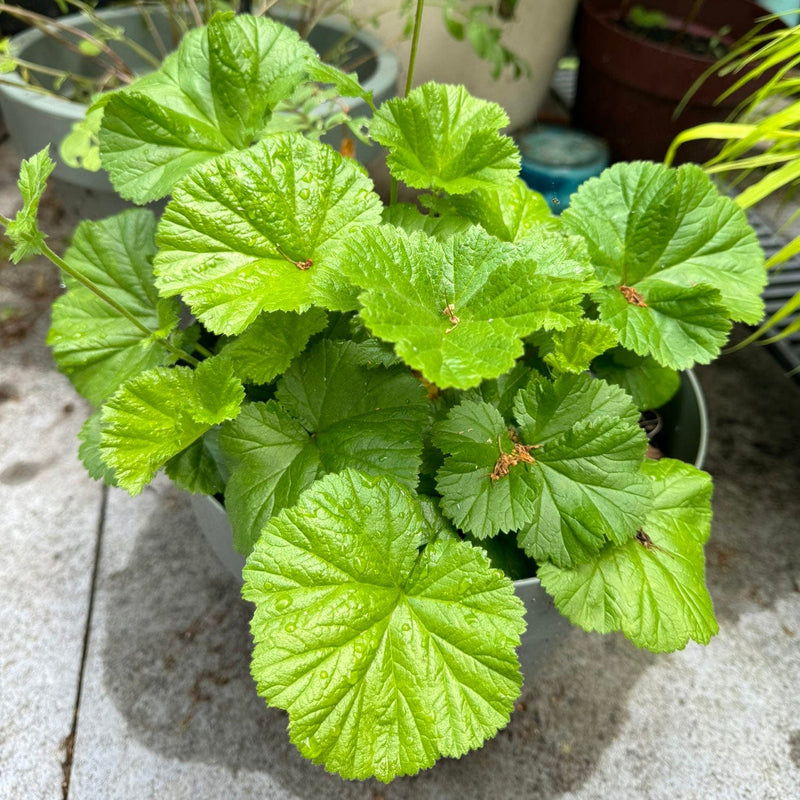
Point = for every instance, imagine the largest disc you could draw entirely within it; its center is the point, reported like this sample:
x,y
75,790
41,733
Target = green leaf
x,y
89,450
677,326
346,83
159,413
510,212
331,413
385,658
270,344
198,468
439,137
572,350
247,232
371,419
566,480
410,219
92,342
23,230
80,148
455,310
272,460
643,378
214,94
652,587
669,235
500,392
476,436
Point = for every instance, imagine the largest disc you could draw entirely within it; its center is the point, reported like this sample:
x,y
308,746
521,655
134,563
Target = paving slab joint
x,y
69,741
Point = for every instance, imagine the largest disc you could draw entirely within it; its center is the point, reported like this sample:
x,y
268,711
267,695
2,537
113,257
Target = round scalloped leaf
x,y
214,94
440,137
154,416
455,310
567,480
332,413
676,325
246,232
92,342
509,212
385,657
646,220
652,587
590,484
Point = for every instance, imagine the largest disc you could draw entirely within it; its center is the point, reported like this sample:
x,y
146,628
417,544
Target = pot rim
x,y
385,61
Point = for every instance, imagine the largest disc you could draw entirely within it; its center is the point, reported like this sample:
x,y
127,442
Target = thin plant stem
x,y
687,21
47,25
198,19
96,290
56,259
153,31
412,60
90,13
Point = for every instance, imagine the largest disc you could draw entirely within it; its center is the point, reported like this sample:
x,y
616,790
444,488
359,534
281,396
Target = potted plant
x,y
52,73
393,403
637,62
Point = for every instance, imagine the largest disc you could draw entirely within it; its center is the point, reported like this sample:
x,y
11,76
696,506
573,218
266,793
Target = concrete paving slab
x,y
50,518
50,514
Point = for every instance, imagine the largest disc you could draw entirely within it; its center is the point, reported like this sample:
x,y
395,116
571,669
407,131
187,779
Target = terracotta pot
x,y
684,418
629,87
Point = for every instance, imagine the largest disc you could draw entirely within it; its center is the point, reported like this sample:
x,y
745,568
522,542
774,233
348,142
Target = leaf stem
x,y
95,289
412,60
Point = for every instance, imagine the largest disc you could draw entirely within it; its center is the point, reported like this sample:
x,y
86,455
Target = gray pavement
x,y
160,699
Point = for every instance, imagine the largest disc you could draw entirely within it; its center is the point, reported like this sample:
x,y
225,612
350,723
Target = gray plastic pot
x,y
685,421
35,120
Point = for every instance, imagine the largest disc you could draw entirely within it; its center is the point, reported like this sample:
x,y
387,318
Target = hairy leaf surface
x,y
246,232
269,345
440,137
385,658
157,414
669,235
24,228
92,342
677,326
572,350
652,587
455,310
214,94
331,413
510,211
567,479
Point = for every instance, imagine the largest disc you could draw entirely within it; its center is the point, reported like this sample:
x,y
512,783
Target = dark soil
x,y
694,45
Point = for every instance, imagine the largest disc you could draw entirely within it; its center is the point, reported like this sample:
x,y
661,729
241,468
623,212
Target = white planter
x,y
35,120
539,33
